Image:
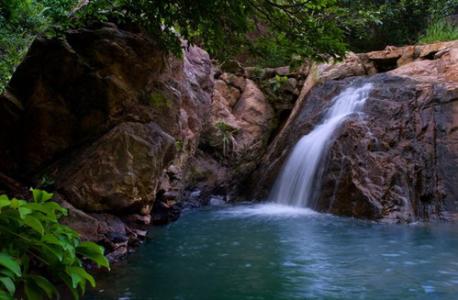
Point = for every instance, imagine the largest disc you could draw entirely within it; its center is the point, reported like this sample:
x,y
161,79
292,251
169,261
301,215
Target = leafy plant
x,y
226,133
37,252
278,82
393,22
439,31
21,21
179,145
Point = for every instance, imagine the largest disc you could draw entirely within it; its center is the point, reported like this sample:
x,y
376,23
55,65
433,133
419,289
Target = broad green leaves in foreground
x,y
37,252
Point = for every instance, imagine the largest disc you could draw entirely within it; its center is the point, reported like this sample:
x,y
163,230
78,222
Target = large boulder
x,y
107,120
119,171
100,102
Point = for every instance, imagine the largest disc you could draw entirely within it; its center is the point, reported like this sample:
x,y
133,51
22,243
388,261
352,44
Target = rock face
x,y
108,117
119,171
240,125
399,161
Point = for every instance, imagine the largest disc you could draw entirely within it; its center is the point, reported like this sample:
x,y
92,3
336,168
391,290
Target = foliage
x,y
275,30
395,22
20,22
439,31
278,82
179,145
226,133
226,28
261,32
37,252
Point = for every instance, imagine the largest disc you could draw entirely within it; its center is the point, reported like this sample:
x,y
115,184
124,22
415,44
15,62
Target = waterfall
x,y
294,186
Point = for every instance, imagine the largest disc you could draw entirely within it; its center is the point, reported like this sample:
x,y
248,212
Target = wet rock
x,y
117,254
216,201
138,219
165,212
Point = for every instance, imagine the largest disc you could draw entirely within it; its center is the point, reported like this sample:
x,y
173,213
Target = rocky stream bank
x,y
126,135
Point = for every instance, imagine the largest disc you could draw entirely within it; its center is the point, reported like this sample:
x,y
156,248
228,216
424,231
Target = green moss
x,y
158,100
179,145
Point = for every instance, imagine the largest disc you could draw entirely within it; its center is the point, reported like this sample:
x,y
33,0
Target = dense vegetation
x,y
263,32
398,22
37,252
439,31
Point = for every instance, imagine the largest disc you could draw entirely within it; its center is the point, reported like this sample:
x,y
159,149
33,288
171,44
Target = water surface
x,y
277,252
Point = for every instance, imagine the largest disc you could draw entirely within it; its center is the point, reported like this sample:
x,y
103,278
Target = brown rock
x,y
254,115
234,80
425,51
230,94
103,113
350,66
119,171
282,71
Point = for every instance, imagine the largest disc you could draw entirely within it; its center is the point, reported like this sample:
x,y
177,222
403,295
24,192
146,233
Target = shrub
x,y
439,31
37,252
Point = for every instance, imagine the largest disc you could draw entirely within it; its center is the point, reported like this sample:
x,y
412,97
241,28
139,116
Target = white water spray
x,y
294,186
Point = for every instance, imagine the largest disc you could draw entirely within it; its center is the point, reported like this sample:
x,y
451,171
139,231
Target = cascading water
x,y
294,186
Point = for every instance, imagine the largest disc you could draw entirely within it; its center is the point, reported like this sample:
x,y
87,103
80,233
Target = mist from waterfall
x,y
295,184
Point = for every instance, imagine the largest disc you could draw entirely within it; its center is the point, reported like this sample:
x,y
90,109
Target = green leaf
x,y
75,277
51,239
57,253
42,208
16,203
90,247
24,211
78,274
99,259
32,291
35,224
69,284
10,263
57,250
4,201
7,273
93,252
40,196
5,296
9,285
44,285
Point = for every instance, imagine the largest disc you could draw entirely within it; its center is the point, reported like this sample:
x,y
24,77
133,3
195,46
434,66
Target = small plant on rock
x,y
226,132
278,82
37,252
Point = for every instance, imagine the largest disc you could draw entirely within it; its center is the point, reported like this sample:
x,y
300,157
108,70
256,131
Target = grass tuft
x,y
439,31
